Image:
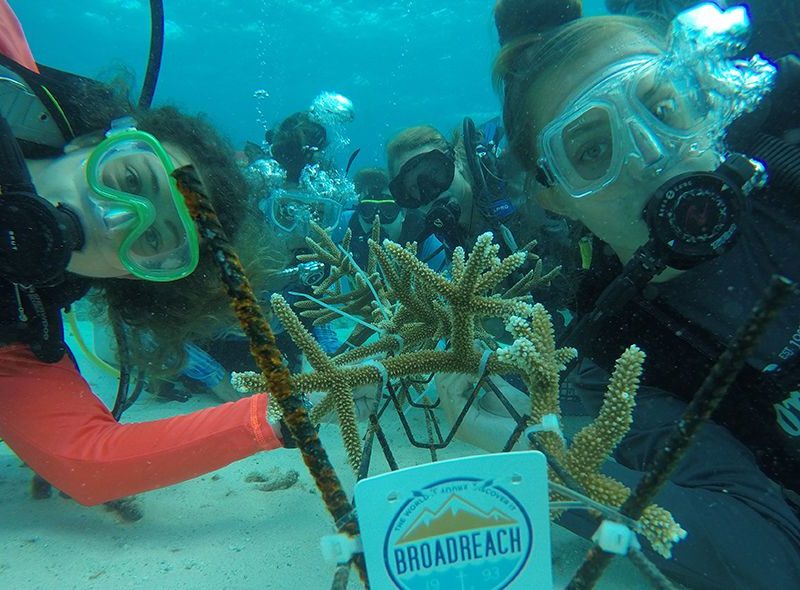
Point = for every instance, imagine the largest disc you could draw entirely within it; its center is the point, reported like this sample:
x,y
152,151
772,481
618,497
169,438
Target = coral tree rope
x,y
267,355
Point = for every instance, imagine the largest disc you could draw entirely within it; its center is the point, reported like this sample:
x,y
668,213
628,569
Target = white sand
x,y
217,531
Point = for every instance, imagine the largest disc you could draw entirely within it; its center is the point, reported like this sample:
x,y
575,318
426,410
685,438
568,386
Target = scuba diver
x,y
372,187
447,183
397,224
91,203
290,200
298,141
456,190
623,122
294,184
290,212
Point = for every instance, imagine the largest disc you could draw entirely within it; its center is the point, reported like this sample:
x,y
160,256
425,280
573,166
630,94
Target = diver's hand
x,y
483,426
224,391
364,398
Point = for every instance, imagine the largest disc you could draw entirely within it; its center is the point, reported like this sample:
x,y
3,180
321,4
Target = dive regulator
x,y
696,216
36,238
692,218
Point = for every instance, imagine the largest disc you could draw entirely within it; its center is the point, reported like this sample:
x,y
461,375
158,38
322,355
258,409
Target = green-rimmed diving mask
x,y
131,187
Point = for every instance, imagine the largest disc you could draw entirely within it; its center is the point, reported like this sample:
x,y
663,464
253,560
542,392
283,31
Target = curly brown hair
x,y
295,142
163,316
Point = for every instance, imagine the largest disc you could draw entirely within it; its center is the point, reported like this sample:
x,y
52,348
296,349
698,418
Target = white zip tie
x,y
340,548
381,369
484,361
400,341
615,537
549,423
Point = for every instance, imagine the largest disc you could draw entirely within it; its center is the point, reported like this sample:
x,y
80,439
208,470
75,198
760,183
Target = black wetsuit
x,y
735,490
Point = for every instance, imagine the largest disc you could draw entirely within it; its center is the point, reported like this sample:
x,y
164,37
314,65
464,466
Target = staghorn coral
x,y
411,308
540,363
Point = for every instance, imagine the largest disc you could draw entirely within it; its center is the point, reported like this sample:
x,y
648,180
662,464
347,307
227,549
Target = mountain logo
x,y
457,530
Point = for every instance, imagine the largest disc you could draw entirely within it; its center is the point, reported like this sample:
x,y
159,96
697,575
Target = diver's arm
x,y
12,39
50,418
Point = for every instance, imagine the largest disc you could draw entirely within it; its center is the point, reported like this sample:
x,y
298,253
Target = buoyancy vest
x,y
47,110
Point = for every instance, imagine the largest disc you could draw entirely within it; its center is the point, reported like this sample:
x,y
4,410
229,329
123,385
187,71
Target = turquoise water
x,y
401,62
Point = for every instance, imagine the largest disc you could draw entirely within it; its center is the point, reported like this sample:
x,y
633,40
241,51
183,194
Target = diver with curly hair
x,y
103,212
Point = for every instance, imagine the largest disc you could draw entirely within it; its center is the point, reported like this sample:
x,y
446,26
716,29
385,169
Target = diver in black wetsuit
x,y
687,235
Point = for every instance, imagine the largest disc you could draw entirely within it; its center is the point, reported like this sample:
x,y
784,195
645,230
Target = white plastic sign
x,y
477,523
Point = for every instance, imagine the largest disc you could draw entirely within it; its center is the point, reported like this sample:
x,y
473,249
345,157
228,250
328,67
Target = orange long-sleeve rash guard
x,y
51,419
12,39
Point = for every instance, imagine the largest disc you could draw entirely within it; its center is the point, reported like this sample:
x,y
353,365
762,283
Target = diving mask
x,y
294,210
423,178
135,196
649,112
387,209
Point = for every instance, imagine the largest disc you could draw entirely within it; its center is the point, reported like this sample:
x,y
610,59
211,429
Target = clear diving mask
x,y
294,210
648,112
135,196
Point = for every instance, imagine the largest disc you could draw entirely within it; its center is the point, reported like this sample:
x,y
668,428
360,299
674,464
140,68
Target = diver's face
x,y
613,213
388,230
63,180
459,190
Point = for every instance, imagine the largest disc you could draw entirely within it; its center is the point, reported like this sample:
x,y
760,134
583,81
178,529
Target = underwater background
x,y
401,62
248,64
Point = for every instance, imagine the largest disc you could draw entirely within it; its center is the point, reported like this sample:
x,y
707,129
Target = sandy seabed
x,y
219,531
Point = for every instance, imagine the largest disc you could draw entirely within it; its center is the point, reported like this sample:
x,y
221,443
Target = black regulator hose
x,y
156,52
14,175
36,238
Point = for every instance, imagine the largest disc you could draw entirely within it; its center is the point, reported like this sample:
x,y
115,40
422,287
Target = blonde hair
x,y
414,138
